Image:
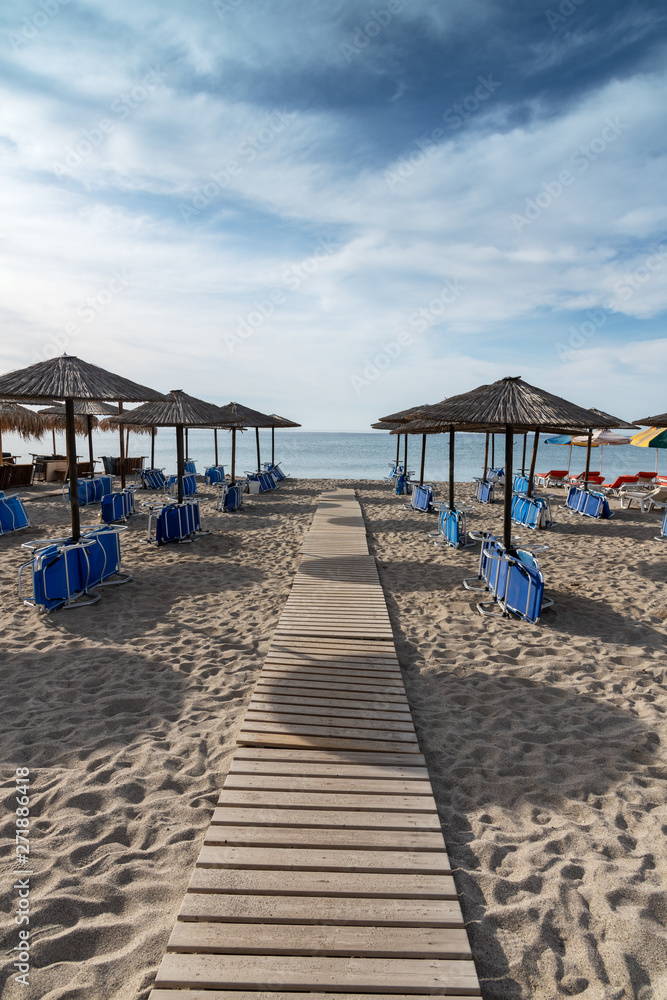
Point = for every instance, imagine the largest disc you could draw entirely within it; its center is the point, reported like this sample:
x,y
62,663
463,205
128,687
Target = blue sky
x,y
336,210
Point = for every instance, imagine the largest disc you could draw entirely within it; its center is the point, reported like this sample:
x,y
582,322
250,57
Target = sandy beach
x,y
545,744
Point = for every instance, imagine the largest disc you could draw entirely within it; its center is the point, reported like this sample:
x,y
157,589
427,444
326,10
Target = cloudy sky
x,y
338,209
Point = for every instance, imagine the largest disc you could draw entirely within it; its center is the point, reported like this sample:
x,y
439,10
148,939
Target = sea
x,y
350,455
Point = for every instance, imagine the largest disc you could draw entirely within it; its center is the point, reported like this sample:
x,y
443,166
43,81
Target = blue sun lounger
x,y
13,515
189,485
396,471
422,498
492,572
189,468
521,484
230,498
663,530
118,506
275,471
513,579
64,573
452,527
214,474
531,512
588,503
264,482
174,522
91,490
153,479
485,491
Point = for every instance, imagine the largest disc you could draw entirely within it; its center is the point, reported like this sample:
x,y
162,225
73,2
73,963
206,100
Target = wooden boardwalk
x,y
324,870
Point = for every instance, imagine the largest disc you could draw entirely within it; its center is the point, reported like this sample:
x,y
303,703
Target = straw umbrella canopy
x,y
18,419
70,379
659,421
178,410
237,416
512,405
402,417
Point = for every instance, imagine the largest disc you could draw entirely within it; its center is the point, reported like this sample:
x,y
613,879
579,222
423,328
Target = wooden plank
x,y
349,732
276,703
323,910
326,674
292,683
285,719
278,799
304,883
322,757
319,783
341,769
320,859
312,939
180,994
313,973
352,819
252,738
330,838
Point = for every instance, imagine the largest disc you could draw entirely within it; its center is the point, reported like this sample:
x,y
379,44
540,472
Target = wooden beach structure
x,y
324,869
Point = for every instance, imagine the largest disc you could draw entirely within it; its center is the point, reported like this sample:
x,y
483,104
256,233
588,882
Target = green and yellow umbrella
x,y
653,437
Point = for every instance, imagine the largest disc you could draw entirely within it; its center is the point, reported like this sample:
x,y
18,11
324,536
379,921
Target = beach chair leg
x,y
486,609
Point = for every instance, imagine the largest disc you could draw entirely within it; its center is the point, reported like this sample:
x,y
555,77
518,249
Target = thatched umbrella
x,y
237,416
178,410
278,422
659,421
510,405
71,379
403,417
16,418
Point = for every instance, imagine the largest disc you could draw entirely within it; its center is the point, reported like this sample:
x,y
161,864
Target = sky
x,y
336,210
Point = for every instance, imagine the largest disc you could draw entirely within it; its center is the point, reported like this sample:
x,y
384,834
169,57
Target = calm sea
x,y
320,455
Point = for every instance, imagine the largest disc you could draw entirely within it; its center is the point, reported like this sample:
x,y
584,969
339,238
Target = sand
x,y
545,744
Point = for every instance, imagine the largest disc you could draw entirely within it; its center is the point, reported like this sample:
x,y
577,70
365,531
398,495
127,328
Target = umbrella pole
x,y
187,445
486,455
451,466
122,452
523,456
90,446
179,461
233,454
70,438
533,460
405,455
153,433
588,459
1,462
53,435
493,451
569,461
421,469
398,448
259,466
215,443
509,460
273,446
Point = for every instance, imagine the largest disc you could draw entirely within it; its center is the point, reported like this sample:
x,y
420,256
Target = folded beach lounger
x,y
230,498
91,490
174,522
275,471
64,572
403,484
532,512
13,514
492,572
422,498
588,503
555,477
118,506
214,474
189,468
663,528
495,476
189,485
452,527
485,491
153,479
521,484
523,594
260,482
396,471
